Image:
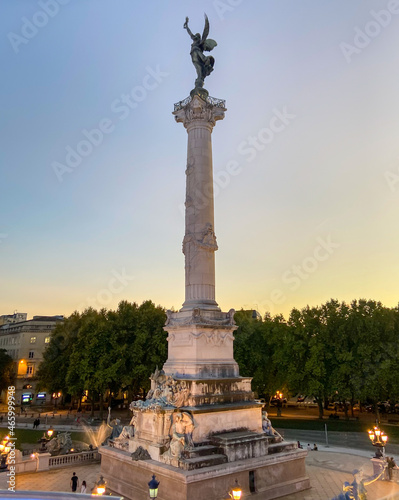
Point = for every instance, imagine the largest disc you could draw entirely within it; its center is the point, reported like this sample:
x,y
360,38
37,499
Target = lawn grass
x,y
31,436
332,425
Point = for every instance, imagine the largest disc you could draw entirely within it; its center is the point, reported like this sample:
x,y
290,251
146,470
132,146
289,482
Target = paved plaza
x,y
328,469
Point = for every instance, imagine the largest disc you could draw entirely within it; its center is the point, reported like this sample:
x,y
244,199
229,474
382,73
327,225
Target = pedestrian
x,y
309,447
315,448
1,419
38,422
74,482
83,487
299,444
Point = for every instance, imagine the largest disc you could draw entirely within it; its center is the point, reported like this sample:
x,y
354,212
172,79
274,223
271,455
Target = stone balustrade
x,y
44,461
74,458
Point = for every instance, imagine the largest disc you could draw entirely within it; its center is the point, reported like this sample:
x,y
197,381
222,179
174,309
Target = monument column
x,y
199,116
200,341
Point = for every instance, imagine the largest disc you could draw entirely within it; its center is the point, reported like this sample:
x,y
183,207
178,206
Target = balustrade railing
x,y
74,458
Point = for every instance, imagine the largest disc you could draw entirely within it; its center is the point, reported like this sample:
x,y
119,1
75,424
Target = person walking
x,y
74,482
83,487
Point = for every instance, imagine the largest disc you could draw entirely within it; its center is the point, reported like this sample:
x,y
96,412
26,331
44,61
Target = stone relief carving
x,y
140,454
199,111
120,436
165,391
190,165
206,241
60,444
199,317
214,338
181,435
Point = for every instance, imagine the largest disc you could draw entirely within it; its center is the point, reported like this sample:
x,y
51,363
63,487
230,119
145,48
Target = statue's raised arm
x,y
203,64
185,26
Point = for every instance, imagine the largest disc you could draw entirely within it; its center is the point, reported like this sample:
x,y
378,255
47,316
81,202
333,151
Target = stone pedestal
x,y
262,478
200,344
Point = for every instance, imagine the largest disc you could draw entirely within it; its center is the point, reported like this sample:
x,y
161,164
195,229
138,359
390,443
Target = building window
x,y
29,370
47,340
33,340
31,354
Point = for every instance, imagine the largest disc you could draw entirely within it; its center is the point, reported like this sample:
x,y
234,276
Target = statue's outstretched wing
x,y
209,44
206,29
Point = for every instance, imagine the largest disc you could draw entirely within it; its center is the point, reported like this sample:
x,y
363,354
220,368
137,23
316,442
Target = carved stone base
x,y
273,476
154,429
200,344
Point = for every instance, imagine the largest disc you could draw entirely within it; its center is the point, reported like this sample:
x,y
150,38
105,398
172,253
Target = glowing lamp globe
x,y
236,492
153,488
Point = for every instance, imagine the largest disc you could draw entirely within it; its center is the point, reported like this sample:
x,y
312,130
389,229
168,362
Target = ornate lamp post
x,y
153,488
100,486
43,443
378,438
236,491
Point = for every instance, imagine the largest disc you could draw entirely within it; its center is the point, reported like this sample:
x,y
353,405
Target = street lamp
x,y
50,432
100,486
153,488
378,438
5,448
236,491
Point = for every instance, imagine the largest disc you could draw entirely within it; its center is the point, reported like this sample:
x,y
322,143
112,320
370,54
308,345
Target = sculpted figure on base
x,y
182,435
203,64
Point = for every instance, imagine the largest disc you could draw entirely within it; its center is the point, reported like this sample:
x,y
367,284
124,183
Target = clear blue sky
x,y
312,212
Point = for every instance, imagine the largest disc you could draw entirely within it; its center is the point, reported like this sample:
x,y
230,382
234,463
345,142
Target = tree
x,y
304,354
254,349
7,370
56,358
103,352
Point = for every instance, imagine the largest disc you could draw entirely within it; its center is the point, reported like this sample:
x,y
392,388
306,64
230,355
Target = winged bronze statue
x,y
202,63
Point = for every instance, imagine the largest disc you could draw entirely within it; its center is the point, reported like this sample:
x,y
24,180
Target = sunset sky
x,y
312,127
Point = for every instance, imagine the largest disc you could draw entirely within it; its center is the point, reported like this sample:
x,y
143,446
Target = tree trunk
x,y
377,414
101,406
320,405
91,404
346,410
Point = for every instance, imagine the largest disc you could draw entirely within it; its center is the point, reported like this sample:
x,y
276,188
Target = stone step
x,y
204,461
281,447
200,451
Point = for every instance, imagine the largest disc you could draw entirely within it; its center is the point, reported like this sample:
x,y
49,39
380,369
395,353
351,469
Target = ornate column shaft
x,y
200,334
199,116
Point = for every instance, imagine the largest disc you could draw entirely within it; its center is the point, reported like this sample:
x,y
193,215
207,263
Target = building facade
x,y
25,341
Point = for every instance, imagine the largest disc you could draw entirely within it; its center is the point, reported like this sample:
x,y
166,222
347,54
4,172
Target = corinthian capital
x,y
199,110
